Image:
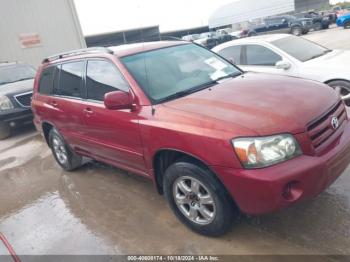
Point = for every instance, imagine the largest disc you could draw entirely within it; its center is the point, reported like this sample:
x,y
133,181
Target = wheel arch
x,y
165,157
46,127
336,79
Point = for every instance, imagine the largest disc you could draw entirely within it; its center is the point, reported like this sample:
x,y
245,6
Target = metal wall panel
x,y
55,21
305,5
248,10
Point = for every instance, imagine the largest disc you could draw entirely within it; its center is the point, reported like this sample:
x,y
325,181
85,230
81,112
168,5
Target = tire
x,y
343,88
63,154
296,30
252,34
5,130
218,216
318,26
347,25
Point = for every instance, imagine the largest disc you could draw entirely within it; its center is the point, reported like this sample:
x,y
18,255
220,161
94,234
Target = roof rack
x,y
90,50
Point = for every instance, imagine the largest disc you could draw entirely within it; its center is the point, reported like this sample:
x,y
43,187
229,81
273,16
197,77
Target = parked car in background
x,y
344,21
190,38
16,88
213,139
331,15
319,21
211,39
234,34
282,24
339,10
293,56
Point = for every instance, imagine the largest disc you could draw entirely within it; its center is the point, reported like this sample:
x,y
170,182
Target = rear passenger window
x,y
103,77
71,79
46,81
261,56
232,52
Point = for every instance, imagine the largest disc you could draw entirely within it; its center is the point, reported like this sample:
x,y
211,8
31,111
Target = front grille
x,y
25,99
321,131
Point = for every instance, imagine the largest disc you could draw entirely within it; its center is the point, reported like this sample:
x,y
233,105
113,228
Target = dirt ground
x,y
103,210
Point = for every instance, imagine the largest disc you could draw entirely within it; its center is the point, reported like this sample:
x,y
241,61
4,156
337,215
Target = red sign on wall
x,y
29,40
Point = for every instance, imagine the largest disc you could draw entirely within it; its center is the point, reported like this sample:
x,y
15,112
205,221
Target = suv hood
x,y
17,87
266,104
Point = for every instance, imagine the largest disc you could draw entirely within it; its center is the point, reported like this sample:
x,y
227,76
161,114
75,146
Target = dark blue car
x,y
344,21
286,24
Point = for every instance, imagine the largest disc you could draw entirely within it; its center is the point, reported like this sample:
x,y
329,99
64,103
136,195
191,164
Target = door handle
x,y
54,103
88,111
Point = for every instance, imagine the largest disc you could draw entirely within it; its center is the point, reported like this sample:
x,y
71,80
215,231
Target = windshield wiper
x,y
319,55
187,92
233,75
197,88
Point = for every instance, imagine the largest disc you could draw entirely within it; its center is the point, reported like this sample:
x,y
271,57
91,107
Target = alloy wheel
x,y
194,200
60,150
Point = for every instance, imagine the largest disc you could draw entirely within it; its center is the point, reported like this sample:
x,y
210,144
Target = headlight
x,y
5,103
265,151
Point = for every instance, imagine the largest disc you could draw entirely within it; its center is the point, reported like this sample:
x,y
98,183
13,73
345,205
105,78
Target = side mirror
x,y
285,65
117,100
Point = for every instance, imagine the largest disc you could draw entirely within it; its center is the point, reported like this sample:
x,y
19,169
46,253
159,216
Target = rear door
x,y
67,103
113,135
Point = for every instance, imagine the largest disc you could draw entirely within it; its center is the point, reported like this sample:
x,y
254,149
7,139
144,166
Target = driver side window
x,y
103,77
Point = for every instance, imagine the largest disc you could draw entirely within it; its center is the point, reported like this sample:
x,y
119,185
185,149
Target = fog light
x,y
12,124
292,191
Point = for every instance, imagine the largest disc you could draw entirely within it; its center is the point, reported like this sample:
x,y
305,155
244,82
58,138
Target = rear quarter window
x,y
70,83
232,53
46,81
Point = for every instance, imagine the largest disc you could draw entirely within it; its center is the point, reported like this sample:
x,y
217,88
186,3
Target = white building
x,y
33,29
245,11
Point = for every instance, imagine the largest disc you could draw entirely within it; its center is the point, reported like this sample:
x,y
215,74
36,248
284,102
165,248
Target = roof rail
x,y
90,50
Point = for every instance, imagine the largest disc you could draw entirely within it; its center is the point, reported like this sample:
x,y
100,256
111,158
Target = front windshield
x,y
300,48
181,69
16,72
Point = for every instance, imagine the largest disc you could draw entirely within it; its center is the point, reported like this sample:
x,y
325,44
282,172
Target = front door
x,y
113,135
258,58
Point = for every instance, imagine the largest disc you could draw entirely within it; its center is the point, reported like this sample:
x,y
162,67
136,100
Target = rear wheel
x,y
296,30
5,130
317,26
252,34
63,154
198,199
343,89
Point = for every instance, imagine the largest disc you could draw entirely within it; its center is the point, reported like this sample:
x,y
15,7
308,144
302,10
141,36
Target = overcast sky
x,y
99,16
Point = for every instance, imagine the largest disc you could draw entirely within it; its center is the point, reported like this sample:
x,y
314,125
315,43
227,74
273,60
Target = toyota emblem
x,y
335,122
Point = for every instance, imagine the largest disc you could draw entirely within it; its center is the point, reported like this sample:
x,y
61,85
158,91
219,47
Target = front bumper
x,y
262,191
17,117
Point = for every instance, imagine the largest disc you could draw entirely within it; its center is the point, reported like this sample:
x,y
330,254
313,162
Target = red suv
x,y
213,139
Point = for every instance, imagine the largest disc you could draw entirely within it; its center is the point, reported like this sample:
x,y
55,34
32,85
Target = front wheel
x,y
343,89
63,154
5,130
198,199
347,25
296,30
